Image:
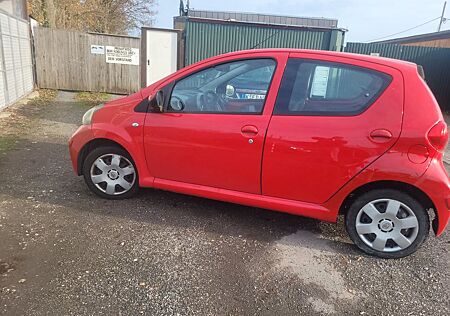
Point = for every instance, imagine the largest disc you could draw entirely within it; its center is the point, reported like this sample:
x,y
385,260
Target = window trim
x,y
166,105
388,79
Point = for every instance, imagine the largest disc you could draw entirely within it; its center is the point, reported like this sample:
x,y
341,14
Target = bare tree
x,y
103,16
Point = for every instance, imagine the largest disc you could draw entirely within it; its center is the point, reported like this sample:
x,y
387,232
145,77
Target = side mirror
x,y
160,100
157,102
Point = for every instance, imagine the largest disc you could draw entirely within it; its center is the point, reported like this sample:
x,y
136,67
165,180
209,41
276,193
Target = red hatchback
x,y
310,133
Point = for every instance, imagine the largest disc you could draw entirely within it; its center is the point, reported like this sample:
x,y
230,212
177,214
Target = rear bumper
x,y
435,183
79,139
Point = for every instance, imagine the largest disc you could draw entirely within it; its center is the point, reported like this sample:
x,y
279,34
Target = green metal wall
x,y
203,39
435,62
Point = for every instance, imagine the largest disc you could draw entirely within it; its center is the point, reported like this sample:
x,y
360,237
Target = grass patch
x,y
90,99
19,119
46,95
7,142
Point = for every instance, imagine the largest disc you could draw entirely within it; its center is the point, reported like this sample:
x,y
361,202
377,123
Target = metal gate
x,y
16,66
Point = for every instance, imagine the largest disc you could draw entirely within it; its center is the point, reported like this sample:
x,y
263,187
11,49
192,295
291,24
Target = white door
x,y
162,53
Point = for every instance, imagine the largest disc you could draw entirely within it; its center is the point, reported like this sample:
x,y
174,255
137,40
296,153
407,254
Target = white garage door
x,y
16,68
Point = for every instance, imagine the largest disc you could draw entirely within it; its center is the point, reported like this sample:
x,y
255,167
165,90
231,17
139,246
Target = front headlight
x,y
87,117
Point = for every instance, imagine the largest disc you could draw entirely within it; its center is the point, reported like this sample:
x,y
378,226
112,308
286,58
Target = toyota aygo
x,y
309,133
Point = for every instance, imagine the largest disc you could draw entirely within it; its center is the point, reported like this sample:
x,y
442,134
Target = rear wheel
x,y
387,223
110,173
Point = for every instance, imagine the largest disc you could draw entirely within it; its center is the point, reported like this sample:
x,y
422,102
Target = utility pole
x,y
442,17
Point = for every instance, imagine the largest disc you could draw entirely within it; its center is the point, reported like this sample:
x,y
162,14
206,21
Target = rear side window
x,y
330,89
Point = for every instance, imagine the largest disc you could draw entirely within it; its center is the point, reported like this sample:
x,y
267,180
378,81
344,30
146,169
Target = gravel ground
x,y
63,251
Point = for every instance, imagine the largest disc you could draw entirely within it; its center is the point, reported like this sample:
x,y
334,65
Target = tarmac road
x,y
64,251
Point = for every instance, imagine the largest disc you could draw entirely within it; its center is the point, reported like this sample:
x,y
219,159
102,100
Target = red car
x,y
310,133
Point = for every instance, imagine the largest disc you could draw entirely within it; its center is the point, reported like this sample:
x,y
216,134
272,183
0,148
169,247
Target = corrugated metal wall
x,y
203,40
435,62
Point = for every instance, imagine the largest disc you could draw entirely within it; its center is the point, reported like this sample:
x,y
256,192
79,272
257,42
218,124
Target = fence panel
x,y
435,62
64,61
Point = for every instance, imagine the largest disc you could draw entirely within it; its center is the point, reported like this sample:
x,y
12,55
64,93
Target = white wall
x,y
17,8
16,68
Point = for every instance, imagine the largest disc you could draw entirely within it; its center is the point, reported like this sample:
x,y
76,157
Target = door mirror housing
x,y
160,100
157,102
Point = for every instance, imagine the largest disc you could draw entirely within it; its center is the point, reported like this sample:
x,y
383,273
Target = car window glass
x,y
236,87
325,88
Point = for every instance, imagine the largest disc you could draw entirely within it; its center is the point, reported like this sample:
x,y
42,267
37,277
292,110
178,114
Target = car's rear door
x,y
333,117
215,142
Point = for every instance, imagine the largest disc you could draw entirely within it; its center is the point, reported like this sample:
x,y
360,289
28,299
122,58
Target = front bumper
x,y
79,139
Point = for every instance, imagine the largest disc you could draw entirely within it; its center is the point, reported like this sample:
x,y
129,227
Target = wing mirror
x,y
157,102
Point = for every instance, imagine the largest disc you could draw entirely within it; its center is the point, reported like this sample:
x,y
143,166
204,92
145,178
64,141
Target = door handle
x,y
380,135
249,130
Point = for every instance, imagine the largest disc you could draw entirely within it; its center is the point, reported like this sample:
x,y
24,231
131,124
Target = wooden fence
x,y
66,60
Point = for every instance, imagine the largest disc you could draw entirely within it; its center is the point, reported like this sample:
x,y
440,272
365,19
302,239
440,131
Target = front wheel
x,y
110,173
387,223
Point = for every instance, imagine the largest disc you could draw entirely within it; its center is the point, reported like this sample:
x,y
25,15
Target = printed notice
x,y
122,55
320,82
97,49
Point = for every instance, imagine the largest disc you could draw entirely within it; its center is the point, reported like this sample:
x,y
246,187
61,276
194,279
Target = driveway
x,y
64,251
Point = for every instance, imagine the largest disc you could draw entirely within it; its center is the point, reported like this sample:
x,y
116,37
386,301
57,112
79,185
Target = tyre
x,y
387,223
111,173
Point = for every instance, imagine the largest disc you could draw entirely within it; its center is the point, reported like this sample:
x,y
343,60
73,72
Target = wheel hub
x,y
113,174
386,225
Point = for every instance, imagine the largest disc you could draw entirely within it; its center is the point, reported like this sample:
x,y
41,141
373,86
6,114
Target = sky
x,y
365,20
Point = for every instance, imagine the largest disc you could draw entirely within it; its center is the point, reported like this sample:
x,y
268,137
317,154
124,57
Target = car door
x,y
212,131
333,117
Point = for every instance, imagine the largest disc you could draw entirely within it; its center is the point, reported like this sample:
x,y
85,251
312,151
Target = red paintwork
x,y
302,165
210,149
317,155
80,138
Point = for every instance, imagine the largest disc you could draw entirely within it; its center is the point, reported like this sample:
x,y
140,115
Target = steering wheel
x,y
209,101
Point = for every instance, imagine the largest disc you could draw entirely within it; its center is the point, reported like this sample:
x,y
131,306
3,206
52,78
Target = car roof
x,y
396,63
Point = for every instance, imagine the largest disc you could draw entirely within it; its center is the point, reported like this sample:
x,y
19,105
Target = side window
x,y
325,88
235,87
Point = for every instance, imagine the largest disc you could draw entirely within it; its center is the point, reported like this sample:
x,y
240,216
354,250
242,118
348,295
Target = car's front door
x,y
333,117
213,129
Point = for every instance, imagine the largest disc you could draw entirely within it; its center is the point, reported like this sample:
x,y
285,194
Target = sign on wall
x,y
122,55
97,49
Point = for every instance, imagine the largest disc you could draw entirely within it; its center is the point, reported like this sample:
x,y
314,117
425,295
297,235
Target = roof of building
x,y
256,18
419,38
